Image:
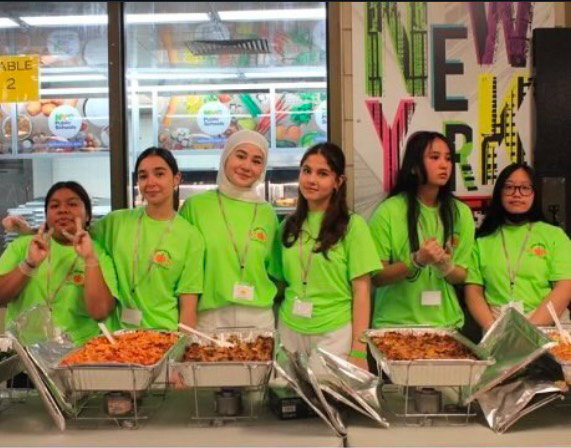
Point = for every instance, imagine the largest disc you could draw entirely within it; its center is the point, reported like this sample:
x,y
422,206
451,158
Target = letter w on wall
x,y
515,30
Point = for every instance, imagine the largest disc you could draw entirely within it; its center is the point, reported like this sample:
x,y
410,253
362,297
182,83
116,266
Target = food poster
x,y
301,119
206,121
57,125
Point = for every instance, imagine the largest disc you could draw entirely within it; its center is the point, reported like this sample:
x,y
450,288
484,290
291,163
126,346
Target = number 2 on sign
x,y
10,83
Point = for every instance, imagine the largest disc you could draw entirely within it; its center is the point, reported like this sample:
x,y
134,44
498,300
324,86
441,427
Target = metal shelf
x,y
53,155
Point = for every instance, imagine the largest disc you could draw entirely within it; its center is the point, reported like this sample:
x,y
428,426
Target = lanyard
x,y
136,250
512,271
305,265
51,296
241,257
422,231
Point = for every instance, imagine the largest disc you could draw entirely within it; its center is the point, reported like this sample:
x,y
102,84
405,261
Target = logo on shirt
x,y
454,240
538,250
77,278
259,234
162,258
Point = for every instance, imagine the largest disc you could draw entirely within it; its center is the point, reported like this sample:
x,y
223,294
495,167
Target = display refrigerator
x,y
195,73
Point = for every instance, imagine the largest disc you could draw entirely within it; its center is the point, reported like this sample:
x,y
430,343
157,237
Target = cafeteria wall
x,y
460,68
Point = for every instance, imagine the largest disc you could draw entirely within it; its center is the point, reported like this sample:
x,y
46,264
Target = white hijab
x,y
228,188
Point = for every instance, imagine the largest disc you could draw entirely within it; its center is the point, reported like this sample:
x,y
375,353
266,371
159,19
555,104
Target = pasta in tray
x,y
562,350
259,350
406,346
138,347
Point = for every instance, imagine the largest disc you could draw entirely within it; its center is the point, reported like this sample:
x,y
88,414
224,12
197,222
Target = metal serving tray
x,y
226,373
565,364
430,372
114,376
10,366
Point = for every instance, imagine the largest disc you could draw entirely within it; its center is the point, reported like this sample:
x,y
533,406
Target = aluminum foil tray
x,y
430,372
114,376
10,366
226,373
565,364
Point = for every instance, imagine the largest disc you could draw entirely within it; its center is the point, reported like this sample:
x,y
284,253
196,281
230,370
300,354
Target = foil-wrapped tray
x,y
114,376
430,372
225,373
564,363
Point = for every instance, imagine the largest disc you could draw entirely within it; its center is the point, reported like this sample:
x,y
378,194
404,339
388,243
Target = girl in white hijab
x,y
240,231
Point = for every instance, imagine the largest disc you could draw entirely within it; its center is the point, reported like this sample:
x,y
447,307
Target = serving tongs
x,y
563,333
204,336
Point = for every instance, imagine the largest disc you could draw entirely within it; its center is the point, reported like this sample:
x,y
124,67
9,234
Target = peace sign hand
x,y
39,246
81,241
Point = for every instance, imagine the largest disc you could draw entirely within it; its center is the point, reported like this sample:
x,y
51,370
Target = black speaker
x,y
552,85
551,56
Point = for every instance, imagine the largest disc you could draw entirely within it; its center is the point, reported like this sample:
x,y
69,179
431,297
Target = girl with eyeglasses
x,y
519,259
424,238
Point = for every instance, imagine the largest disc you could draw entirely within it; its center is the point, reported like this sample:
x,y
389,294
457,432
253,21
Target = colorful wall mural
x,y
460,68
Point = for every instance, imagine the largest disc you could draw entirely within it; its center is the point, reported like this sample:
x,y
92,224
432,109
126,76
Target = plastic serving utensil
x,y
565,336
106,333
205,336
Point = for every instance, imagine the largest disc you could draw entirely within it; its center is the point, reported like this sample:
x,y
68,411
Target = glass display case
x,y
195,73
245,65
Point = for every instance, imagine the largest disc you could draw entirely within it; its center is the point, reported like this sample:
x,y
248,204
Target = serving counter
x,y
28,424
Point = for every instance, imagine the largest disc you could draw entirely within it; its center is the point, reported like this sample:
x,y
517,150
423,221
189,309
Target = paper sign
x,y
19,79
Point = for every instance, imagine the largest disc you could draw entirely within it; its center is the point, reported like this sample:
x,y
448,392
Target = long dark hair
x,y
412,175
336,218
78,190
169,159
496,214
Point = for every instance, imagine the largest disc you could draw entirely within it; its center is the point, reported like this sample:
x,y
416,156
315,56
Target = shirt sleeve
x,y
362,257
463,250
99,232
474,274
380,231
559,260
192,276
107,269
186,210
14,254
275,268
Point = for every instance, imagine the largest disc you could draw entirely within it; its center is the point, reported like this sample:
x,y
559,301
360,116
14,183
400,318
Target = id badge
x,y
131,316
302,309
243,291
431,298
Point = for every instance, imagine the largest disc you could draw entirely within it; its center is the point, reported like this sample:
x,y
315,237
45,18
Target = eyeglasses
x,y
524,190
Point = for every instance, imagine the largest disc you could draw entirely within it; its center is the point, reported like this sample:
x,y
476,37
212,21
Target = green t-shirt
x,y
68,305
546,259
167,258
329,287
401,304
222,265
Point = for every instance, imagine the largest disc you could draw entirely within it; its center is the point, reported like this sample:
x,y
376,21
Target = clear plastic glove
x,y
445,265
15,223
